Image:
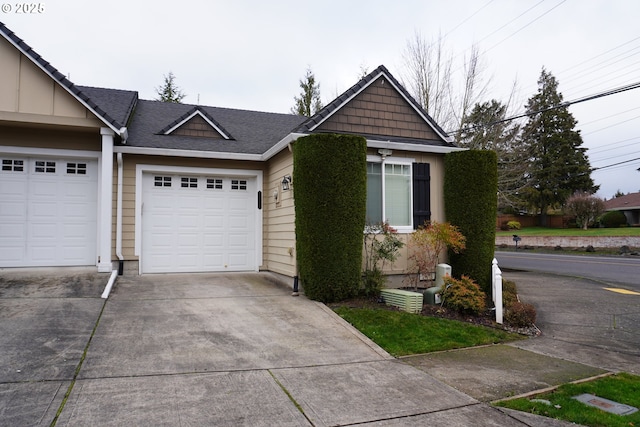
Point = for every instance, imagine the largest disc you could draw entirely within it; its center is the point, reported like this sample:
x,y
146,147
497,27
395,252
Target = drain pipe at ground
x,y
112,280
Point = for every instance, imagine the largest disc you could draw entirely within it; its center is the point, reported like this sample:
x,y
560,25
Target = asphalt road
x,y
616,270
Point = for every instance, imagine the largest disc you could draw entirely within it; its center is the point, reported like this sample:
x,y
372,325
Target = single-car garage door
x,y
48,211
198,223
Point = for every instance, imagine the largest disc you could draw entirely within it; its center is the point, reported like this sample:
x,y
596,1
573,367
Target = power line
x,y
561,105
615,164
469,17
525,26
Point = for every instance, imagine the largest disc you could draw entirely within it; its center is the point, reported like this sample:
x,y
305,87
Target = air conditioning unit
x,y
408,301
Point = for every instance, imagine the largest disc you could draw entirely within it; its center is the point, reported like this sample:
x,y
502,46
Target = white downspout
x,y
119,216
114,274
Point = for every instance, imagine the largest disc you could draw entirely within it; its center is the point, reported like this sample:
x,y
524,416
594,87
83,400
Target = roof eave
x,y
168,152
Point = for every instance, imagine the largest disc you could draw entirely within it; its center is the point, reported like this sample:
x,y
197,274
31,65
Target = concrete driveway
x,y
202,349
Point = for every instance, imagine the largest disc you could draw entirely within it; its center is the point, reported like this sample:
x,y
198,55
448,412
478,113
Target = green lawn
x,y
543,231
621,388
401,333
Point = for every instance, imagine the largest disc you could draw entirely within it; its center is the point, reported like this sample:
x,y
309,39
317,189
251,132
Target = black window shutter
x,y
421,194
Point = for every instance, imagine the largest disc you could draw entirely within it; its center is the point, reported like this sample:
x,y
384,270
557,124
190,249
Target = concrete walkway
x,y
205,349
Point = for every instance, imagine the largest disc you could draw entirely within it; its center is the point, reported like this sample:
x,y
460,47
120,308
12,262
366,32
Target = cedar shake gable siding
x,y
379,110
197,126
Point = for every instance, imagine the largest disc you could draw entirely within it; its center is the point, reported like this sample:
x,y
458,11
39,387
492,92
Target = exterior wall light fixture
x,y
286,183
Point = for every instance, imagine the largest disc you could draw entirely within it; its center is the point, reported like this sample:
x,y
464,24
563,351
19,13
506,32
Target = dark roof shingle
x,y
254,132
629,201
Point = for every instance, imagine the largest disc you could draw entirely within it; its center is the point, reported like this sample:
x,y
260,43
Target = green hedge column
x,y
330,178
470,200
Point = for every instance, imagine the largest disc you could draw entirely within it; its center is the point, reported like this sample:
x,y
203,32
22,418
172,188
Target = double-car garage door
x,y
48,211
198,223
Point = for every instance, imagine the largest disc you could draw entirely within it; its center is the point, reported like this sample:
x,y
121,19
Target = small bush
x,y
463,295
509,293
513,225
520,315
613,219
372,282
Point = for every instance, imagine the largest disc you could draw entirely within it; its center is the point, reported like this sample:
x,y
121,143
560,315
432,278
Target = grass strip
x,y
593,232
402,334
622,388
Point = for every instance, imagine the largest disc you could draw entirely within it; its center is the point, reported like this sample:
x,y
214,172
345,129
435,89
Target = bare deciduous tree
x,y
430,75
586,207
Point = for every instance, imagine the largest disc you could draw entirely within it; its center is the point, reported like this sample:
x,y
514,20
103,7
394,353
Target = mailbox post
x,y
516,239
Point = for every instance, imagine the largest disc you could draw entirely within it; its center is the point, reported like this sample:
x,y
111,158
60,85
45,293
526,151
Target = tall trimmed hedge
x,y
470,200
330,179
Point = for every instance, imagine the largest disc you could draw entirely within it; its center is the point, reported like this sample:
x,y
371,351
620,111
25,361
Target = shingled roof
x,y
116,103
253,132
56,75
622,203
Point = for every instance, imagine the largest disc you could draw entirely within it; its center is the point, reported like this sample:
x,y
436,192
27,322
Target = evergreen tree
x,y
485,128
559,165
308,103
169,92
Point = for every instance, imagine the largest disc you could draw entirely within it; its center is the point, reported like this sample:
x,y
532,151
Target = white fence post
x,y
496,291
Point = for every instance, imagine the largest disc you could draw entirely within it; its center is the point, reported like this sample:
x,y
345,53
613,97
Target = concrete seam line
x,y
78,367
417,414
290,396
552,388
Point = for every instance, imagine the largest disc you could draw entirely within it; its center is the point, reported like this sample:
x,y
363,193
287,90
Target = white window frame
x,y
396,161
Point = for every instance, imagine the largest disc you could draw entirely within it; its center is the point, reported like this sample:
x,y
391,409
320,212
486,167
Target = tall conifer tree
x,y
559,165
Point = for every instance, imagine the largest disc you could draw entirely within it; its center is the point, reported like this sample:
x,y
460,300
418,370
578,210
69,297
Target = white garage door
x,y
48,211
198,223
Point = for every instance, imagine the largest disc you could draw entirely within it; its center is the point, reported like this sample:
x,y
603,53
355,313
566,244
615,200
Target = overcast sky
x,y
252,54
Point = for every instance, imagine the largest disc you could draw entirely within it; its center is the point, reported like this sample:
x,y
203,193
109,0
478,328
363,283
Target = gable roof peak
x,y
321,116
196,110
61,79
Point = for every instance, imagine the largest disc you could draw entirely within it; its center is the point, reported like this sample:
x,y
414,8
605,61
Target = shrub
x,y
520,315
381,244
613,219
513,225
329,217
509,293
463,295
470,200
585,207
426,245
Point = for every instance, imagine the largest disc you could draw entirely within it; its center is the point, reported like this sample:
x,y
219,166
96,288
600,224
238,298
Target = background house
x,y
628,204
92,176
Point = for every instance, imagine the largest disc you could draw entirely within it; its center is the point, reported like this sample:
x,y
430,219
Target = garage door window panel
x,y
186,182
162,181
239,184
76,168
42,166
12,165
214,184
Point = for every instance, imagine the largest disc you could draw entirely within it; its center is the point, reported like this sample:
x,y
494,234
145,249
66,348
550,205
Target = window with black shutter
x,y
421,194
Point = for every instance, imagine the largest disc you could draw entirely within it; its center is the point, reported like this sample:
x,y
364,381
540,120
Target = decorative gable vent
x,y
197,123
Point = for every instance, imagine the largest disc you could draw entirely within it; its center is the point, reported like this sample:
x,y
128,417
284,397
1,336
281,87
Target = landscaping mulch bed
x,y
486,319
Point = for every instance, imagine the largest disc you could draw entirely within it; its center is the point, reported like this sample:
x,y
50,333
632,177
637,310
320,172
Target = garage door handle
x,y
259,199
